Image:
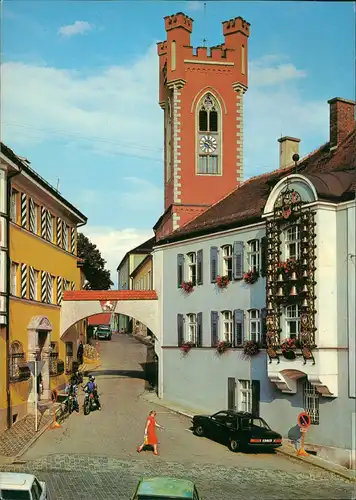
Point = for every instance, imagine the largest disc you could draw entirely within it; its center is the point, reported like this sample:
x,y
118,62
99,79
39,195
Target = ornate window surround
x,y
218,134
290,202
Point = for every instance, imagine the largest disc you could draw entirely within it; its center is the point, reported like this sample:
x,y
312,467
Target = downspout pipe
x,y
8,290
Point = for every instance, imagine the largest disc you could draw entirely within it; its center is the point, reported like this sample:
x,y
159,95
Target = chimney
x,y
342,119
288,146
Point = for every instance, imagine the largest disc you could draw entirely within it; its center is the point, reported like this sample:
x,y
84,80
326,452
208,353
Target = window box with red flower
x,y
188,286
288,347
223,346
222,281
251,348
186,347
251,276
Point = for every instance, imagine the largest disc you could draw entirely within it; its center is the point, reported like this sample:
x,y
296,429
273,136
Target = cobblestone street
x,y
95,456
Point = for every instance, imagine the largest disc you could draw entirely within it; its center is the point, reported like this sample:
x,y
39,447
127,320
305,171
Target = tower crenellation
x,y
201,91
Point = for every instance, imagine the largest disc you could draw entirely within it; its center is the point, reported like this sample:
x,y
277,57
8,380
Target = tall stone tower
x,y
201,92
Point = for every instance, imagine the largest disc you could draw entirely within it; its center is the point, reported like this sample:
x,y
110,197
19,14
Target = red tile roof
x,y
332,171
100,319
110,295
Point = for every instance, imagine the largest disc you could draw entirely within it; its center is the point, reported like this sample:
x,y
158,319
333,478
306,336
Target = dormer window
x,y
208,136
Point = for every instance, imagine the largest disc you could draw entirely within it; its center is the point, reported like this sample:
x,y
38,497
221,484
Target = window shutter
x,y
255,410
180,329
43,286
214,328
180,269
199,329
49,237
213,264
238,327
238,260
43,222
263,326
59,290
32,283
199,267
49,288
24,210
59,232
31,215
264,256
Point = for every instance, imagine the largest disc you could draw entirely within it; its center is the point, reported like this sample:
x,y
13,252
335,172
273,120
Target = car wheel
x,y
234,445
199,430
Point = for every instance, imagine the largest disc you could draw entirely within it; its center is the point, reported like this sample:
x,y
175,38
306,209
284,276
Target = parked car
x,y
240,431
16,486
103,333
166,488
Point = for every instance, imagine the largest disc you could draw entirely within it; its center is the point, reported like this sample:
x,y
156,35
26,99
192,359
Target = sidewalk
x,y
14,441
286,449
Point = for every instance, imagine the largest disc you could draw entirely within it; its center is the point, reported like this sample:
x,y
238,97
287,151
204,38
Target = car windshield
x,y
248,423
15,495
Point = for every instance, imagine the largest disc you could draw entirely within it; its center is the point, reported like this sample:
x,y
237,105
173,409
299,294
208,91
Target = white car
x,y
16,486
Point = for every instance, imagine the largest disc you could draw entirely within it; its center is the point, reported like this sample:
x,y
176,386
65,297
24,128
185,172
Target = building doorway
x,y
39,348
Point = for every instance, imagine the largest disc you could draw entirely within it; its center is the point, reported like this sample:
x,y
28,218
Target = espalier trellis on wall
x,y
296,285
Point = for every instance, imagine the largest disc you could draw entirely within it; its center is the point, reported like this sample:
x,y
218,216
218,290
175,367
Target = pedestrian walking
x,y
150,437
80,353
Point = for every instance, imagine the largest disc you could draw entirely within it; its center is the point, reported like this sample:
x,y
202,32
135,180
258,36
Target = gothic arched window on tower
x,y
208,136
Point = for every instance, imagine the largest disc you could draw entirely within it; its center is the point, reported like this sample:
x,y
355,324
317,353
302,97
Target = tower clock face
x,y
208,144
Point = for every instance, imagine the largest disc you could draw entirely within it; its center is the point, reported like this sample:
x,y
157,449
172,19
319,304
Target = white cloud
x,y
195,5
269,70
113,243
77,28
113,110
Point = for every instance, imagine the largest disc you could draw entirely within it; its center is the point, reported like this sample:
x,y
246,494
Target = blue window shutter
x,y
180,329
263,245
199,267
238,260
214,328
263,339
199,329
213,264
239,335
180,269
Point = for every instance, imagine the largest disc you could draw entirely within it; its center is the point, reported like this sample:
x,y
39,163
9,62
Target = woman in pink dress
x,y
150,433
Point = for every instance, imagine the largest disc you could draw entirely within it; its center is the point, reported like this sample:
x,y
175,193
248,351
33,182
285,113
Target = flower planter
x,y
251,277
222,281
251,348
223,347
289,354
186,347
187,286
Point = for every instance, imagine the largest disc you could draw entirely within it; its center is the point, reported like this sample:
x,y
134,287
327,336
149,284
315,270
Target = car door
x,y
217,425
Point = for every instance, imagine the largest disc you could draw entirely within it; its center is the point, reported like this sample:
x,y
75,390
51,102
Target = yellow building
x,y
141,278
42,237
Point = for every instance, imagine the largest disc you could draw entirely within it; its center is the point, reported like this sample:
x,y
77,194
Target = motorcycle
x,y
89,403
69,404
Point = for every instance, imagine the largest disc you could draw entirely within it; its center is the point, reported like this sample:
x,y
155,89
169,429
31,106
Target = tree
x,y
97,276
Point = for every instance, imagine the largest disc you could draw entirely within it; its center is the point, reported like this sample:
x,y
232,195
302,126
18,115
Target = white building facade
x,y
295,236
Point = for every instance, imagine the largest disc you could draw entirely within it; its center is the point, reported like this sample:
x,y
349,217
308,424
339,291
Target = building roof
x,y
24,165
143,248
140,266
100,319
331,170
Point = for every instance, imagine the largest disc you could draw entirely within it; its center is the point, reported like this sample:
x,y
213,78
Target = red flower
x,y
222,281
187,286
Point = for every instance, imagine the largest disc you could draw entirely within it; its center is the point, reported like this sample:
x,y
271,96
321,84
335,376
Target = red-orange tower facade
x,y
201,92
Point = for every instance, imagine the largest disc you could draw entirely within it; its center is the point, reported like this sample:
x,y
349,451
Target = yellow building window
x,y
14,289
13,205
18,366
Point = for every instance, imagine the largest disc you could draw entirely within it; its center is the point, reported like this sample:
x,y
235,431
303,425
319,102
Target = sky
x,y
79,95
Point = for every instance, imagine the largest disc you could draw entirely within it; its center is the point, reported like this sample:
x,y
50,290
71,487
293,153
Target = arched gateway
x,y
139,304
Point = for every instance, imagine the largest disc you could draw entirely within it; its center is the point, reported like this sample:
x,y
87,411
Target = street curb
x,y
290,455
340,473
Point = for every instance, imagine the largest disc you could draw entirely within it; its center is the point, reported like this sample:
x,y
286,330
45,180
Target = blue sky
x,y
80,92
